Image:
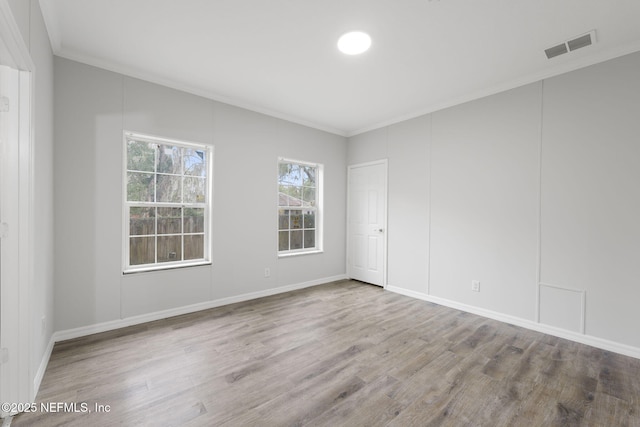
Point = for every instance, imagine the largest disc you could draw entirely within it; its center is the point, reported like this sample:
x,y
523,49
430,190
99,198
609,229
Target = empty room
x,y
331,213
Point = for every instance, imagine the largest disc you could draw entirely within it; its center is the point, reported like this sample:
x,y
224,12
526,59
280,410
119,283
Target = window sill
x,y
163,267
294,254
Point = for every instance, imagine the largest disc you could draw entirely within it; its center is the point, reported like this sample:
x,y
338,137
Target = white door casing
x,y
367,222
16,213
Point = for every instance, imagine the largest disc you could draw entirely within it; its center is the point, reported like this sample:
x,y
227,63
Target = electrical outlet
x,y
267,272
43,325
475,285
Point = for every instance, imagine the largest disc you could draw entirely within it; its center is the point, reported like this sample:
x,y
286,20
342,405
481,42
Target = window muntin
x,y
299,207
167,203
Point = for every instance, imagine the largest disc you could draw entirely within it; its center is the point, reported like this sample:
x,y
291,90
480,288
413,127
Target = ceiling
x,y
279,57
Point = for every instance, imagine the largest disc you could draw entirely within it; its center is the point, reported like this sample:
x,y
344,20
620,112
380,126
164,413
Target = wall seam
x,y
539,236
122,80
429,163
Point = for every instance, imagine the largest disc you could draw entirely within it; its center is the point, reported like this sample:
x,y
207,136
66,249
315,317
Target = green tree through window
x,y
167,203
298,207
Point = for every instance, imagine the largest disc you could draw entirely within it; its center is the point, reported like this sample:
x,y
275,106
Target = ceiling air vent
x,y
571,45
579,42
556,50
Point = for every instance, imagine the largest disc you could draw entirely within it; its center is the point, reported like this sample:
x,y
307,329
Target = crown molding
x,y
512,84
51,24
55,37
17,52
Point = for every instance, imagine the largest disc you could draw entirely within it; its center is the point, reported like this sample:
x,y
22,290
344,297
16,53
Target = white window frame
x,y
207,205
319,223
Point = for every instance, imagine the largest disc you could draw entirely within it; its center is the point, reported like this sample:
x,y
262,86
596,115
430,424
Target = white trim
x,y
385,238
429,191
165,265
42,368
318,209
385,226
539,210
55,37
299,162
126,204
51,24
17,212
564,288
184,87
16,290
294,254
155,139
12,39
158,315
601,343
583,302
27,238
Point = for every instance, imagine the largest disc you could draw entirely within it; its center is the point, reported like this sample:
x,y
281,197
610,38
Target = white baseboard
x,y
613,346
37,380
135,320
149,317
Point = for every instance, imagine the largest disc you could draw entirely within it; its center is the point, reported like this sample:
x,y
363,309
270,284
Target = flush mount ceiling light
x,y
354,43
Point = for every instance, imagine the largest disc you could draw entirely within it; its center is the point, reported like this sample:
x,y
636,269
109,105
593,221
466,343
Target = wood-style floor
x,y
342,354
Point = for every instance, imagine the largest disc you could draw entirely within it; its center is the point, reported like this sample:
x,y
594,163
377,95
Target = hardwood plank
x,y
341,354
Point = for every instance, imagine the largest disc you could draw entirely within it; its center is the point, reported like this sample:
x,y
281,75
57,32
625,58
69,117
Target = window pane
x,y
194,247
169,248
309,196
168,189
193,221
283,219
142,221
142,250
169,159
296,239
194,190
194,162
296,219
283,241
284,199
140,187
283,171
309,239
140,156
290,173
309,176
290,195
309,219
169,220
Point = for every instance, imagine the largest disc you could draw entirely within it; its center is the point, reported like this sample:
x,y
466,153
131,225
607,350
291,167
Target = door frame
x,y
385,237
15,304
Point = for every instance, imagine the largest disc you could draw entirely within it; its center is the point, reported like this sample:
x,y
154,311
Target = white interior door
x,y
367,221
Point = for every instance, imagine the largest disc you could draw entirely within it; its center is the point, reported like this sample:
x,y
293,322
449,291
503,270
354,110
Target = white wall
x,y
484,197
537,185
408,242
29,19
406,145
93,106
590,193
